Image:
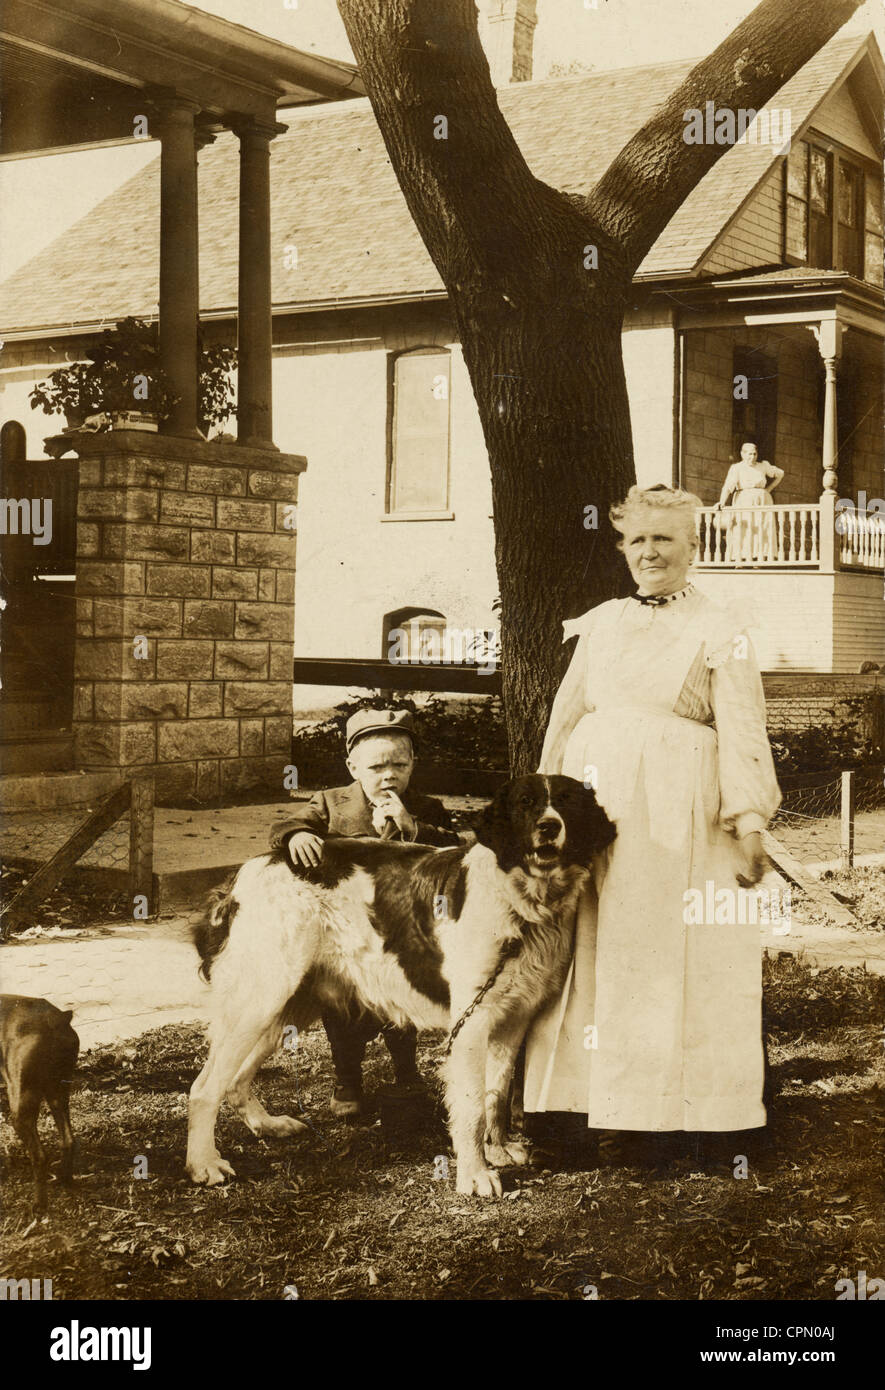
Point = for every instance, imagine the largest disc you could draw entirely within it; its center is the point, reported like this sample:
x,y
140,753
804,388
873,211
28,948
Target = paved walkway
x,y
120,982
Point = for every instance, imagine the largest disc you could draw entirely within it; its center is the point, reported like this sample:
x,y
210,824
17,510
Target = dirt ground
x,y
367,1212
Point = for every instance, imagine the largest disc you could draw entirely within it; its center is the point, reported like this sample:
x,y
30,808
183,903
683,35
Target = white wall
x,y
353,566
649,365
790,614
15,385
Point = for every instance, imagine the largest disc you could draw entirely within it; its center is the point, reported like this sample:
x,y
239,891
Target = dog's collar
x,y
659,600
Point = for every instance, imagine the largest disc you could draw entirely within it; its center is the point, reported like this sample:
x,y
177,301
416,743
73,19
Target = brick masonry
x,y
185,612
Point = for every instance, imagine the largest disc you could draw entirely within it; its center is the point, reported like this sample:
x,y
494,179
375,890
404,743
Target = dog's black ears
x,y
489,824
493,828
603,830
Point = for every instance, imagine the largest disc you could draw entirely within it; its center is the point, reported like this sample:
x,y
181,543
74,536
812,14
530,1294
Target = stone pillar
x,y
254,320
185,612
179,260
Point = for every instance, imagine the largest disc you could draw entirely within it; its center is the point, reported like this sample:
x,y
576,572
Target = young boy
x,y
380,758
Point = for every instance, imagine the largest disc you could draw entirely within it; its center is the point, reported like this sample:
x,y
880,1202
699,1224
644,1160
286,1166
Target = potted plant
x,y
69,391
122,385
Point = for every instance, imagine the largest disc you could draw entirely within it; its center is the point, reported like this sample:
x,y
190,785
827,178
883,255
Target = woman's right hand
x,y
305,849
753,861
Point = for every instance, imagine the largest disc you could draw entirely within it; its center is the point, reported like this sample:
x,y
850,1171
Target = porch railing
x,y
772,537
861,539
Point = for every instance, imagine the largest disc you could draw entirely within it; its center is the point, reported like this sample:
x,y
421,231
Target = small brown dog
x,y
38,1054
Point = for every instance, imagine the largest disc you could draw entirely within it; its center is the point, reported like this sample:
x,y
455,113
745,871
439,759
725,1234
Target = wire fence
x,y
815,826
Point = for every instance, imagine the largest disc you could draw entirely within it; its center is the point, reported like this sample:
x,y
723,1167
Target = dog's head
x,y
540,824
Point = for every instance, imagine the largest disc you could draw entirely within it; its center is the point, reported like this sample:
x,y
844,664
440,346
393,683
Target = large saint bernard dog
x,y
414,934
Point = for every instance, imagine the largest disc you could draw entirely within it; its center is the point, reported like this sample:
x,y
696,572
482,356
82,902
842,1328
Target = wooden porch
x,y
816,536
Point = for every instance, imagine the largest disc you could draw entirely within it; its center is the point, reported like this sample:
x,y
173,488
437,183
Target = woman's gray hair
x,y
659,498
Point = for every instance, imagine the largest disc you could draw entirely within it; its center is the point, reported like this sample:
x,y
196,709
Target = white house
x,y
771,271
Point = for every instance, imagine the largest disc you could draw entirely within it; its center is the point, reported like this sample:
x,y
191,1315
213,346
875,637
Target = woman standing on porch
x,y
749,483
659,1024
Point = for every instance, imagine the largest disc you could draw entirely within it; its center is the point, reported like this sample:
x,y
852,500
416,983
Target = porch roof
x,y
801,294
336,199
76,72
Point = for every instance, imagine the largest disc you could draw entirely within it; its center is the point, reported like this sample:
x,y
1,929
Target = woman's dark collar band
x,y
659,600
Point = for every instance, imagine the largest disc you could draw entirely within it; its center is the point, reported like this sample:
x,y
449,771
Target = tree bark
x,y
539,317
656,170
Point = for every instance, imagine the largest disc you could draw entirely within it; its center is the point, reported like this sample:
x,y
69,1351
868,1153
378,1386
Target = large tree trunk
x,y
539,328
555,409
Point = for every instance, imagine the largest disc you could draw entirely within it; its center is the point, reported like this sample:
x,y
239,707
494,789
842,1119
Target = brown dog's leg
x,y
58,1103
24,1118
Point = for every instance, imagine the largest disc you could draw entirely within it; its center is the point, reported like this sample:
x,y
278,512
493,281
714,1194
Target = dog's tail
x,y
212,930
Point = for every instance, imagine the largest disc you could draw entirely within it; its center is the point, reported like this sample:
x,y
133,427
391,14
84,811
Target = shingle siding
x,y
337,201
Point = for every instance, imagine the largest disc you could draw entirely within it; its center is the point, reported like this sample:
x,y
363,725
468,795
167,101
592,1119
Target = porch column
x,y
828,336
179,260
829,344
254,322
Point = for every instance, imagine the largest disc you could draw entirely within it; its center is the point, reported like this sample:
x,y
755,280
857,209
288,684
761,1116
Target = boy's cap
x,y
378,721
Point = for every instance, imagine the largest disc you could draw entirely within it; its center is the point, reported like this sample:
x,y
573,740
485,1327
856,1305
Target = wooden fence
x,y
135,797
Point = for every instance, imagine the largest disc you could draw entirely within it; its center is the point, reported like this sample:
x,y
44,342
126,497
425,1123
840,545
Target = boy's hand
x,y
305,848
391,808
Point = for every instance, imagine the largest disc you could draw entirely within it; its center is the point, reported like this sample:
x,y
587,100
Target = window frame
x,y
431,514
834,152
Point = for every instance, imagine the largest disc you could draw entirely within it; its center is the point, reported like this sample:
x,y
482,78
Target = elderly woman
x,y
659,1023
749,483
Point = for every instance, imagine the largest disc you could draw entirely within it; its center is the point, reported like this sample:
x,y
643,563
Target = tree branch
x,y
656,170
480,210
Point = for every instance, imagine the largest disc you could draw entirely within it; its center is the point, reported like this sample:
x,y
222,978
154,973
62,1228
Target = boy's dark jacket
x,y
347,811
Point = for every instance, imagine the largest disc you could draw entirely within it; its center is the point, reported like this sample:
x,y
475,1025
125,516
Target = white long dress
x,y
659,1024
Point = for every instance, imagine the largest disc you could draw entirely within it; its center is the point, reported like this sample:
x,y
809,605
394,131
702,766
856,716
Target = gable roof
x,y
337,201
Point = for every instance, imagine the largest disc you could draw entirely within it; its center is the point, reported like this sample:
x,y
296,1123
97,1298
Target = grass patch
x,y
354,1212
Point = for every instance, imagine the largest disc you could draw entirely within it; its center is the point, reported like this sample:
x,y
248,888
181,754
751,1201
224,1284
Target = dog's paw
x,y
210,1172
281,1127
511,1154
483,1182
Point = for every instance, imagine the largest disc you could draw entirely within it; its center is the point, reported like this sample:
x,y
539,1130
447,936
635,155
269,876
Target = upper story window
x,y
418,463
833,211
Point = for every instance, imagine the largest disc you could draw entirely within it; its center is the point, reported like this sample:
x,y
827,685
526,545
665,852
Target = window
x,y
872,237
418,464
413,634
754,420
833,211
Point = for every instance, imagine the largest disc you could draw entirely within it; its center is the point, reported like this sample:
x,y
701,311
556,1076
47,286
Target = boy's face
x,y
382,763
